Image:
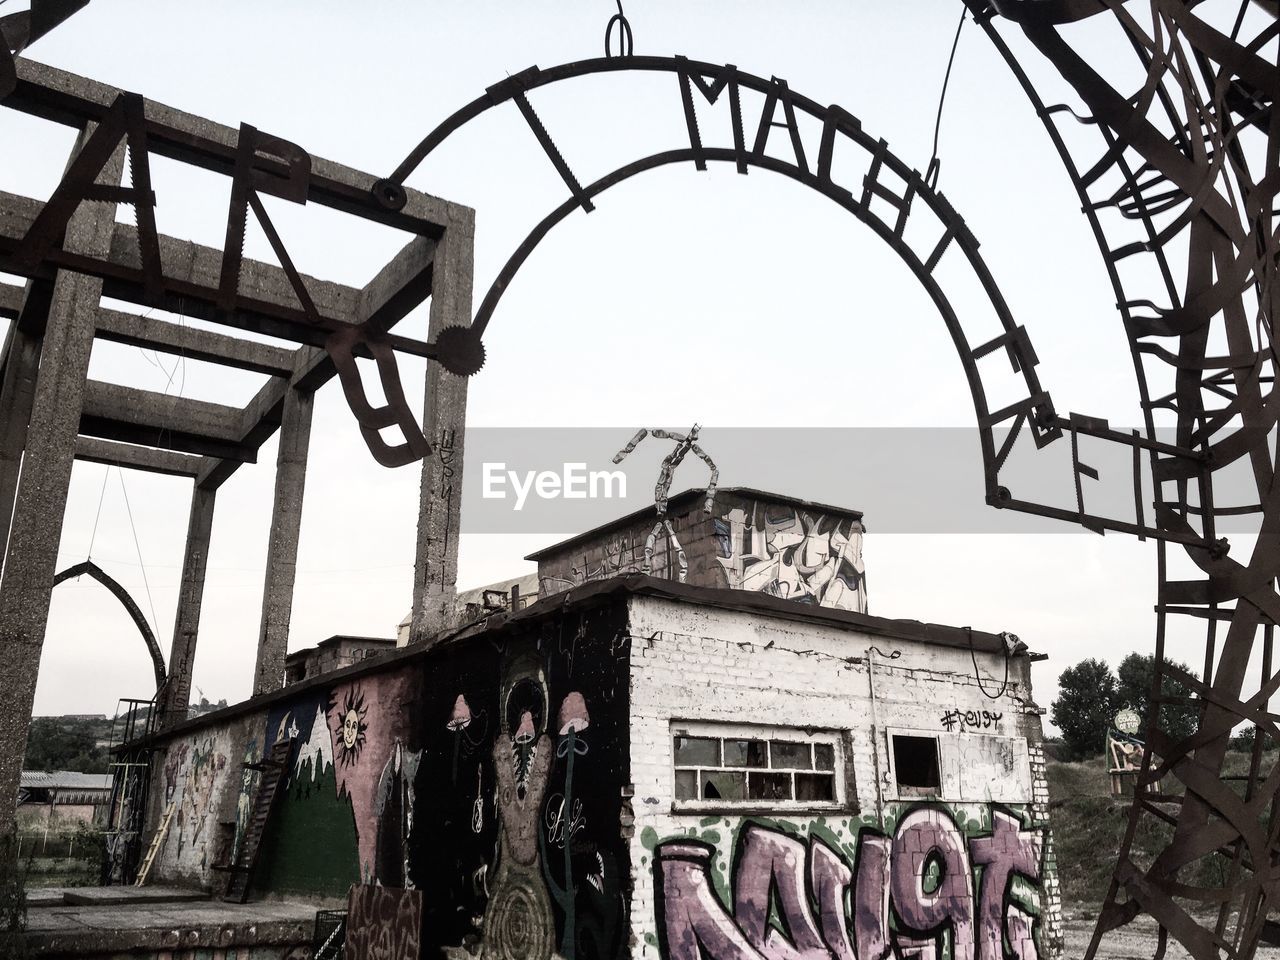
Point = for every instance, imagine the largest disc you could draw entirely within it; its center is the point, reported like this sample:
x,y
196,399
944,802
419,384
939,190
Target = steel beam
x,y
282,550
32,551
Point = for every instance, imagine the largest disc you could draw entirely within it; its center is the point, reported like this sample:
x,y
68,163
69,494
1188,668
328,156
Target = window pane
x,y
697,752
915,762
728,785
824,756
769,786
789,755
686,785
815,786
744,753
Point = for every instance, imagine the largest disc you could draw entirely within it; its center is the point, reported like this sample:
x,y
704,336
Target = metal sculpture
x,y
685,443
90,569
1179,182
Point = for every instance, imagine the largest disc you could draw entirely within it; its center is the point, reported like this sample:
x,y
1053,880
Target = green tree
x,y
1135,675
1084,707
57,744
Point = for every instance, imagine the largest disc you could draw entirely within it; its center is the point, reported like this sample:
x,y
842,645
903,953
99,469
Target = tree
x,y
1084,707
57,744
1135,675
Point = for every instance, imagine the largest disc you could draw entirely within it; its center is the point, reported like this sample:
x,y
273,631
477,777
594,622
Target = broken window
x,y
756,767
915,765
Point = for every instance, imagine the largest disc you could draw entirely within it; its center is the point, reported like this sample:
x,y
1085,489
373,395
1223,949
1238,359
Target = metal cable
x,y
931,176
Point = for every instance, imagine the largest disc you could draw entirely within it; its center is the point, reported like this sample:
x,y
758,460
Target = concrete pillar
x,y
182,652
282,552
21,360
435,571
32,551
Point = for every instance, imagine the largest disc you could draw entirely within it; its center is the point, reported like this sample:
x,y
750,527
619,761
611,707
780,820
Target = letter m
x,y
721,78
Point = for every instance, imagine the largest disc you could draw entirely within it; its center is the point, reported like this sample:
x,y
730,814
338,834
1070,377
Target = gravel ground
x,y
1135,941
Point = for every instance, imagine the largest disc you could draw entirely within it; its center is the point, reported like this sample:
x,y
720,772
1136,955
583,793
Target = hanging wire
x,y
155,621
931,175
106,474
977,674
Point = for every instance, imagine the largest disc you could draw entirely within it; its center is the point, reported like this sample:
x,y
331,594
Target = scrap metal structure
x,y
1177,172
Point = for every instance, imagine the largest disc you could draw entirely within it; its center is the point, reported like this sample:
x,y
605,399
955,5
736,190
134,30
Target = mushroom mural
x,y
573,720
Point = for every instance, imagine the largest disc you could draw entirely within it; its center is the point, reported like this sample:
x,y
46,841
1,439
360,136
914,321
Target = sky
x,y
686,296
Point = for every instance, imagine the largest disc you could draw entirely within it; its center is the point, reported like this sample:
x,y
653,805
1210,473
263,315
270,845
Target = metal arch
x,y
1175,147
968,353
89,568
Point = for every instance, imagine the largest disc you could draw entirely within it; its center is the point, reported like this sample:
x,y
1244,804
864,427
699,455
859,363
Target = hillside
x,y
1089,826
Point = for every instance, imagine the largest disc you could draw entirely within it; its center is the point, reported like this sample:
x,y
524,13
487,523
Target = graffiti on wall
x,y
785,552
518,923
194,772
909,894
383,923
963,720
368,722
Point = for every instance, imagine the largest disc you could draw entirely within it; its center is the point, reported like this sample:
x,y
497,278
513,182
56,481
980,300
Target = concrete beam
x,y
382,302
268,304
133,457
282,549
32,551
193,343
147,418
65,97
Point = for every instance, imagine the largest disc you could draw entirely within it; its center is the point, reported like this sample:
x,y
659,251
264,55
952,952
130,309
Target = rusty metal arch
x,y
91,569
1033,412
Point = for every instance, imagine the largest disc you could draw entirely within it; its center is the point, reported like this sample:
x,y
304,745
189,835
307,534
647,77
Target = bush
x,y
13,901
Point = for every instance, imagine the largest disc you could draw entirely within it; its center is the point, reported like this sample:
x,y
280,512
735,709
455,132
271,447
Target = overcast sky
x,y
734,301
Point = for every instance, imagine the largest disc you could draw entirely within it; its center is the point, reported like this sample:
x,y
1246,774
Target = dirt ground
x,y
1136,941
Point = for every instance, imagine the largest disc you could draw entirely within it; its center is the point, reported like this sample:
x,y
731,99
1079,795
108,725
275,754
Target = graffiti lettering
x,y
925,873
962,720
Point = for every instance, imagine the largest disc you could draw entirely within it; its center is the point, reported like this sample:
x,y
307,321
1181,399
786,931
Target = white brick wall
x,y
707,664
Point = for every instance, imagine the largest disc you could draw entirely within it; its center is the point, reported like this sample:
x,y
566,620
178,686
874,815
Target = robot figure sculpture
x,y
661,491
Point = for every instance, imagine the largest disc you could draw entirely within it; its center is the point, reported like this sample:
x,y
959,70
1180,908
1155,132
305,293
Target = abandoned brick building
x,y
750,766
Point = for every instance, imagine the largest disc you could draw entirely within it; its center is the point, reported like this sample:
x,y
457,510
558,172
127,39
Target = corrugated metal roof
x,y
65,780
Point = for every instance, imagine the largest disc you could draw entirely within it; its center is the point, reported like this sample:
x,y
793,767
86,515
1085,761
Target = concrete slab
x,y
103,896
45,896
194,923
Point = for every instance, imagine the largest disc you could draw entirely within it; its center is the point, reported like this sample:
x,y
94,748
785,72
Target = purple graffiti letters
x,y
925,872
1007,851
871,898
924,837
772,864
694,920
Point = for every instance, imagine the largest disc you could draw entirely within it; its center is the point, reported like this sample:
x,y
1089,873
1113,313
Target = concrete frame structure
x,y
51,414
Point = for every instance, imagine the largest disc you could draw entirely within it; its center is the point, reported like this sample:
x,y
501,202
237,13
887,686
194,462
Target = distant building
x,y
492,597
62,795
333,654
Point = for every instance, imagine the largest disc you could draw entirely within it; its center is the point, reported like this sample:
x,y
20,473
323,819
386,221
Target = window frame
x,y
906,791
948,743
698,729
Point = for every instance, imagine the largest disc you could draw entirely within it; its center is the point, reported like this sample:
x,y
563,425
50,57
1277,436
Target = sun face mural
x,y
350,727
